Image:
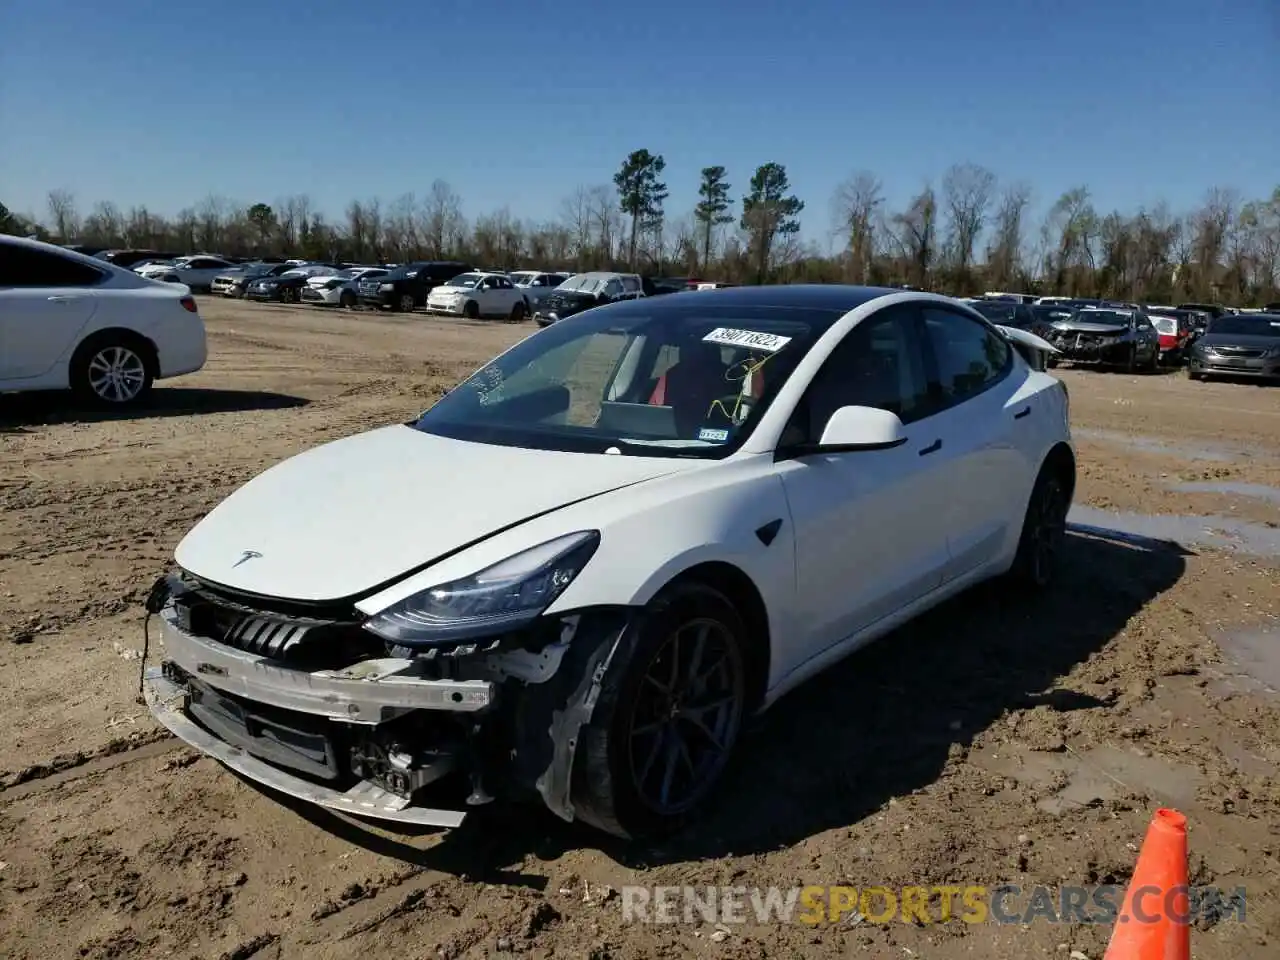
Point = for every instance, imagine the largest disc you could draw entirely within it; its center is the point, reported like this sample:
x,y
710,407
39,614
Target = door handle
x,y
60,299
1024,412
932,448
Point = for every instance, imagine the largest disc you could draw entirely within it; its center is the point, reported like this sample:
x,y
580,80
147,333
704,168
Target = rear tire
x,y
667,718
1044,529
518,313
113,370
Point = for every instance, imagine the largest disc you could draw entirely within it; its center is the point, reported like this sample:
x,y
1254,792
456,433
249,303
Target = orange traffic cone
x,y
1154,922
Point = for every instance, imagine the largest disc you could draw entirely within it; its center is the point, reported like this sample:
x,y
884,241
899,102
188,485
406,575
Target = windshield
x,y
1166,325
1112,317
584,283
672,382
522,279
467,280
1265,325
998,311
1051,312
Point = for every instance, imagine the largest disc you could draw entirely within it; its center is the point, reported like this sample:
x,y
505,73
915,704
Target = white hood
x,y
354,514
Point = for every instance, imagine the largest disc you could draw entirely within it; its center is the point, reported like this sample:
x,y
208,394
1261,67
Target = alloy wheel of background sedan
x,y
686,716
117,374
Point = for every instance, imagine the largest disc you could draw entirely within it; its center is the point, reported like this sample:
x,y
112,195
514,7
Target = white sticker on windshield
x,y
769,342
713,436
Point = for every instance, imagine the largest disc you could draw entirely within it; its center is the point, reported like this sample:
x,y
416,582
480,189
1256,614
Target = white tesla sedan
x,y
72,321
574,576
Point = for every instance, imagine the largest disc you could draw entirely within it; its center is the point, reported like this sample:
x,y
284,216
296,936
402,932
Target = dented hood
x,y
346,517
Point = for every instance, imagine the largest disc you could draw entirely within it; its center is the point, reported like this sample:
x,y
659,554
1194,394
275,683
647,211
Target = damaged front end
x,y
1094,346
307,700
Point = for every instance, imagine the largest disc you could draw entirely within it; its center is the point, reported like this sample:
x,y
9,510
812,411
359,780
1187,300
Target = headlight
x,y
505,596
387,286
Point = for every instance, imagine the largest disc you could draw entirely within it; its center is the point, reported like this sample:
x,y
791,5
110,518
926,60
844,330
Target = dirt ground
x,y
996,740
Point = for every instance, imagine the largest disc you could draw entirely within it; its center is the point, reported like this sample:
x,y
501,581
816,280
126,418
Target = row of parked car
x,y
438,286
1132,336
1209,339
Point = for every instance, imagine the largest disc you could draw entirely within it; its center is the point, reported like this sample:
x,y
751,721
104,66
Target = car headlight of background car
x,y
506,596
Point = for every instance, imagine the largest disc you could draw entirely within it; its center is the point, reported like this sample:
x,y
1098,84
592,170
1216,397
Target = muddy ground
x,y
996,740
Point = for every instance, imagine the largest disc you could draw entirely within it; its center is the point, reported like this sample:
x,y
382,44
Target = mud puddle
x,y
1256,491
1255,653
1074,780
1228,533
1217,453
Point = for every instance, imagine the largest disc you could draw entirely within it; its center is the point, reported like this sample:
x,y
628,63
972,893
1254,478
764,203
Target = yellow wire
x,y
750,368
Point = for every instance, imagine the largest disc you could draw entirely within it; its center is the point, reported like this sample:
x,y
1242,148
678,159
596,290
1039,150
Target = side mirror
x,y
862,428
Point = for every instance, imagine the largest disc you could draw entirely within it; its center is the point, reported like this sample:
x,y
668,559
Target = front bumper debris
x,y
1093,348
370,692
167,702
315,709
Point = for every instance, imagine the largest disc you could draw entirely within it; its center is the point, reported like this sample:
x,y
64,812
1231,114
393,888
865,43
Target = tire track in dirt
x,y
18,784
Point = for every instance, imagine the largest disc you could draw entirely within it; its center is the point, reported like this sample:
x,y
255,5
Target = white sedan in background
x,y
475,295
536,284
197,272
68,321
577,574
339,290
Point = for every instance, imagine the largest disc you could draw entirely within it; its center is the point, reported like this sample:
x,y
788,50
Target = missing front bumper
x,y
167,702
371,691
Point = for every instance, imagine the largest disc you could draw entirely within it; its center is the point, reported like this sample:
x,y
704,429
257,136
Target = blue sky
x,y
518,103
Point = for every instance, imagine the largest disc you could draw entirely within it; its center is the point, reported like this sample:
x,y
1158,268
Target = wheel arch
x,y
745,596
1062,460
149,351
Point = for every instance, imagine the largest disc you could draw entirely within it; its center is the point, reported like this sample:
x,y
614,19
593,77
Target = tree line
x,y
963,234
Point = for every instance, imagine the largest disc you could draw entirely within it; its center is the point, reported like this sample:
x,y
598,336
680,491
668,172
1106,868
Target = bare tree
x,y
441,221
62,211
575,211
606,220
855,206
967,192
917,236
1004,253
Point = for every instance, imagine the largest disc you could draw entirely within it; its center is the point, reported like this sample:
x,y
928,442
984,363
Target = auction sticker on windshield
x,y
769,342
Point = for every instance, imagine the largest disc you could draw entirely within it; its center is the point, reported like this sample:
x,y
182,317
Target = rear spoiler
x,y
1035,350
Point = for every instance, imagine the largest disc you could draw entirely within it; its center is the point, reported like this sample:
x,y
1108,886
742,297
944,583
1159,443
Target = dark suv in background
x,y
406,287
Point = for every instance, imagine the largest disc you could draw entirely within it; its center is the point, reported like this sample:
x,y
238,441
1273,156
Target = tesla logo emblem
x,y
246,557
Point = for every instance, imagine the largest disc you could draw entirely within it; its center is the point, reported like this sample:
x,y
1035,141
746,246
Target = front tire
x,y
471,310
112,372
1044,530
667,718
347,300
